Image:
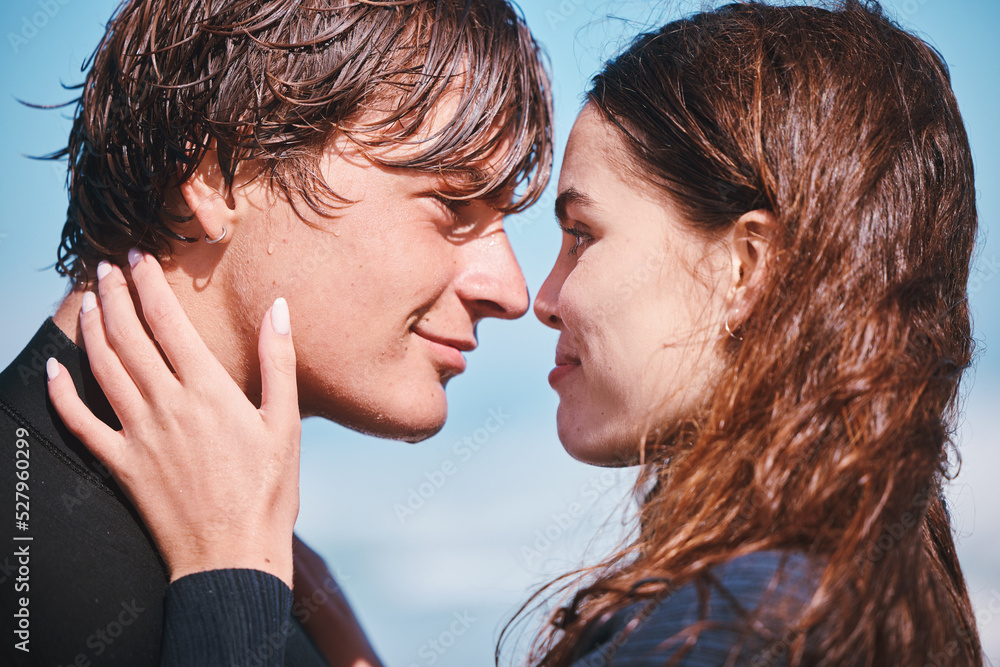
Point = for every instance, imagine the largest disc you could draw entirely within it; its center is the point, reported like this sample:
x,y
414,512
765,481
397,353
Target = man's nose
x,y
490,281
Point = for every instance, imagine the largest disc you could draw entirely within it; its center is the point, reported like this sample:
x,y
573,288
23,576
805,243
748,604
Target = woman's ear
x,y
209,199
753,248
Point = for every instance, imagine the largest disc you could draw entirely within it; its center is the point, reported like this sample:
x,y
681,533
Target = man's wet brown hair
x,y
267,83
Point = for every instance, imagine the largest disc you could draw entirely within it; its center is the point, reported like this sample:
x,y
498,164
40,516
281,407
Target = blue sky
x,y
515,509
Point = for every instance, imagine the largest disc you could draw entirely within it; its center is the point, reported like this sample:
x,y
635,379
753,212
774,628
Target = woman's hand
x,y
215,478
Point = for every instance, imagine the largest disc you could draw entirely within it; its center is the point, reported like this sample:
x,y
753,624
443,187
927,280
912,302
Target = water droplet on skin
x,y
270,248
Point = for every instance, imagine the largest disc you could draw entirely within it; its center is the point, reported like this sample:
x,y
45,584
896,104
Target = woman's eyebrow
x,y
571,196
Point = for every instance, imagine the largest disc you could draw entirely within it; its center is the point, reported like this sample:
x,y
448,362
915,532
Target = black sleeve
x,y
226,617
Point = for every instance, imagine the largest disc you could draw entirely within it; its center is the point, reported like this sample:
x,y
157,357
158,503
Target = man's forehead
x,y
457,169
452,182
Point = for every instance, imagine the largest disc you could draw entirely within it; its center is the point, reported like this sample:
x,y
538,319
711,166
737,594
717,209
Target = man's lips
x,y
448,351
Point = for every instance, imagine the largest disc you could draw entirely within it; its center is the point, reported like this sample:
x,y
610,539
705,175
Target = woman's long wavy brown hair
x,y
829,429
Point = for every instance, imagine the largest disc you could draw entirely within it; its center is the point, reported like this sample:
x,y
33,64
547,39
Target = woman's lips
x,y
566,363
559,372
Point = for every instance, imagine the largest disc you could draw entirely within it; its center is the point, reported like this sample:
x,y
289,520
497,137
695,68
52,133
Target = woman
x,y
794,187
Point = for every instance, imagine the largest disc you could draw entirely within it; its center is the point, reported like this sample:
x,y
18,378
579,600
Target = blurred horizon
x,y
418,549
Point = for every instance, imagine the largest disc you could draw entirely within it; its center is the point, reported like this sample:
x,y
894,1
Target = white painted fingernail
x,y
103,269
89,302
52,368
279,317
134,255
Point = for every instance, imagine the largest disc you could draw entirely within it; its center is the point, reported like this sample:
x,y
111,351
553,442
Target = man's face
x,y
384,297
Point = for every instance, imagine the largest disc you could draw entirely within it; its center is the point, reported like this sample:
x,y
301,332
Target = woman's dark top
x,y
774,584
226,617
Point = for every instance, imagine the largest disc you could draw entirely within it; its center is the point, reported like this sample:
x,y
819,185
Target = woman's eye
x,y
582,239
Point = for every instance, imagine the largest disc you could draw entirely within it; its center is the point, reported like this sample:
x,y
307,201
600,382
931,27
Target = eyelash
x,y
582,239
454,207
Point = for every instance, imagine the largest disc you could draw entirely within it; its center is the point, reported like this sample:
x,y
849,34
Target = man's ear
x,y
209,200
754,242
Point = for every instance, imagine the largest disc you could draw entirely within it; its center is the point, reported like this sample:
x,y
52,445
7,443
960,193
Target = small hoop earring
x,y
730,331
221,236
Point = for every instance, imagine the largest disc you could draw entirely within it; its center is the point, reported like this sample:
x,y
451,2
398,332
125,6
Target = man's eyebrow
x,y
453,194
571,196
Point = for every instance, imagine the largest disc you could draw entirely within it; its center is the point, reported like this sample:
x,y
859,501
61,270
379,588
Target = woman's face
x,y
639,301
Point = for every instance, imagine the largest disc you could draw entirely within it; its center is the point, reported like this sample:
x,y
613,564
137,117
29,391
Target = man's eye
x,y
454,206
461,222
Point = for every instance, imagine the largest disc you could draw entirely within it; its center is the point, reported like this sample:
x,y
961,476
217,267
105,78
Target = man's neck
x,y
228,345
67,316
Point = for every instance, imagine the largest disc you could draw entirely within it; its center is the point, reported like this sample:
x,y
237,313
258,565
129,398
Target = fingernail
x,y
103,269
89,302
279,317
52,368
134,255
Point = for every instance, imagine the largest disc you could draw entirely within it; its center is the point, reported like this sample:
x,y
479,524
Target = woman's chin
x,y
597,444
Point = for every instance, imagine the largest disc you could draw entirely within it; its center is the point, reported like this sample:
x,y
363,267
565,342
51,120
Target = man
x,y
354,158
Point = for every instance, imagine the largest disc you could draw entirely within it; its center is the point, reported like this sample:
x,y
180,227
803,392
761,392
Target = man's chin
x,y
407,422
405,430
